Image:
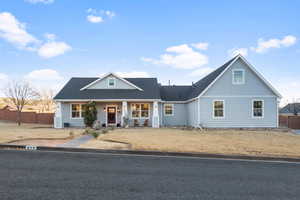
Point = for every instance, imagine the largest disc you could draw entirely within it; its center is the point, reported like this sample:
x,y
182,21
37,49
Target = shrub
x,y
89,114
104,131
95,134
71,134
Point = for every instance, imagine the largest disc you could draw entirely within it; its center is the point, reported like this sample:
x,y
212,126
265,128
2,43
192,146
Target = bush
x,y
89,114
87,131
95,134
71,134
104,131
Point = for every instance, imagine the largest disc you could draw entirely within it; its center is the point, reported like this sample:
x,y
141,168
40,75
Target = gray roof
x,y
150,86
72,90
290,108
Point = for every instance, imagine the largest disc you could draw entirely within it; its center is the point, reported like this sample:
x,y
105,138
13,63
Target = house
x,y
290,109
234,95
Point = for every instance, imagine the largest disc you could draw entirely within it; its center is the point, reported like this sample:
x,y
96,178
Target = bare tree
x,y
46,100
18,94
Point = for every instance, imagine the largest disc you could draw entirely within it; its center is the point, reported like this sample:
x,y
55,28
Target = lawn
x,y
11,131
233,142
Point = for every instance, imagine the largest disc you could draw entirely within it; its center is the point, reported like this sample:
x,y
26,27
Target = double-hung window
x,y
238,76
140,110
76,111
111,82
257,108
218,109
169,109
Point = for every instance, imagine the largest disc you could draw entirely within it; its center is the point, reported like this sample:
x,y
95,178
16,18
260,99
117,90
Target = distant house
x,y
234,95
290,109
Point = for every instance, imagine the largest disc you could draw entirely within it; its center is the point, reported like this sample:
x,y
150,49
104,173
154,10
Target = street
x,y
26,175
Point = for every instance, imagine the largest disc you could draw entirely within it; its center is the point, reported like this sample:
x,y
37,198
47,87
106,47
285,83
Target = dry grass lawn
x,y
11,131
234,142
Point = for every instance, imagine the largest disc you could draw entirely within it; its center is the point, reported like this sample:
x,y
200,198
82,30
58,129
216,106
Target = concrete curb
x,y
150,153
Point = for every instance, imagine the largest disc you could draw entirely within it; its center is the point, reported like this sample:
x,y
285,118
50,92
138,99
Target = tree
x,y
18,94
46,100
89,114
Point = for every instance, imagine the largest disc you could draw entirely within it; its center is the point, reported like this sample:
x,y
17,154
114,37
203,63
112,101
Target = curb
x,y
146,153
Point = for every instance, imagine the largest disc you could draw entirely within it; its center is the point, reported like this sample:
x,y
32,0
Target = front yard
x,y
233,142
11,131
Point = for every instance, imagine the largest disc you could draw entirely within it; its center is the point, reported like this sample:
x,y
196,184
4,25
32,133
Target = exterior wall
x,y
253,84
192,113
103,84
179,117
238,112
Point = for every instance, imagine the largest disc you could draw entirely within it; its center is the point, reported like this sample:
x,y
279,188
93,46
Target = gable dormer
x,y
111,81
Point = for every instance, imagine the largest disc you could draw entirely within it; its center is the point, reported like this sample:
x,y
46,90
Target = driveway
x,y
56,175
297,131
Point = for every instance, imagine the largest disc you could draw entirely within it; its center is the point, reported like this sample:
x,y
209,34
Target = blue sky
x,y
49,41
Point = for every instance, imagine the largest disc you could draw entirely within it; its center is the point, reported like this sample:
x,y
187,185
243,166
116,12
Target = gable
x,y
253,86
103,83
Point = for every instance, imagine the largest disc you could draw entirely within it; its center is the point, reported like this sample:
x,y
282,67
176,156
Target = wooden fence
x,y
27,117
289,121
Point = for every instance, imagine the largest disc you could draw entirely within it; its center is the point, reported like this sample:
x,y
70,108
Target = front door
x,y
111,115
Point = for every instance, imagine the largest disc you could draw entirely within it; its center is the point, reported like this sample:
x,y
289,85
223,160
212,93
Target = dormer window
x,y
238,76
111,82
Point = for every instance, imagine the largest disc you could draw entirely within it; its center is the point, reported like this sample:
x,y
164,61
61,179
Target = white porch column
x,y
155,116
124,112
58,116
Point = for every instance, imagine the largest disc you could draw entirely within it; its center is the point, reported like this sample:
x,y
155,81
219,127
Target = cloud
x,y
133,74
235,51
289,89
40,1
200,72
94,19
3,77
201,46
264,45
98,16
50,36
15,32
180,57
44,75
52,49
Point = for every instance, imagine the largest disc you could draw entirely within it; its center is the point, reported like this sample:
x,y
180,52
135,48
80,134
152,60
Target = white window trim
x,y
213,105
168,104
235,70
111,78
80,111
263,109
140,117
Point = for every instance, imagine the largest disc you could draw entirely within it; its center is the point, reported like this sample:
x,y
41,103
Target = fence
x,y
290,121
27,117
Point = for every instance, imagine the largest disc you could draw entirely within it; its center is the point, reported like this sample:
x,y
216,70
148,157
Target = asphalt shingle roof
x,y
150,86
290,108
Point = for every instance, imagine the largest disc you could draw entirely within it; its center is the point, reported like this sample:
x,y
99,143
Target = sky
x,y
46,42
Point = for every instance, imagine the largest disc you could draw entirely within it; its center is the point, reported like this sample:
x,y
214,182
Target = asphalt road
x,y
84,176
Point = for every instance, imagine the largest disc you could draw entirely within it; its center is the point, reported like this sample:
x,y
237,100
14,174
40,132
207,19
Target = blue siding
x,y
192,110
179,117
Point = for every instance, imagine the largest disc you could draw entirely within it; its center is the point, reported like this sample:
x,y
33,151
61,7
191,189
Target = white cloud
x,y
109,13
180,57
235,51
201,46
289,89
133,74
44,75
3,77
200,72
50,36
52,49
264,45
15,32
94,19
40,1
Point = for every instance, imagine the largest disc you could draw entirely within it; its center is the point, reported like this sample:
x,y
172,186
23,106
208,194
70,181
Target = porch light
x,y
104,109
118,109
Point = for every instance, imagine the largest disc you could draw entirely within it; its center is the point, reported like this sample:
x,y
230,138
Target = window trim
x,y
213,105
169,104
80,111
263,109
140,113
111,78
241,83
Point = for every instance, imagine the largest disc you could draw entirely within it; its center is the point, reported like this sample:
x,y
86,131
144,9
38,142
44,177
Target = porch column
x,y
155,117
124,112
58,116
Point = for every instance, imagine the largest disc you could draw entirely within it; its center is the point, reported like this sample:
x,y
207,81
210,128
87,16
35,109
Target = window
x,y
77,110
257,108
218,109
168,108
140,110
238,76
111,82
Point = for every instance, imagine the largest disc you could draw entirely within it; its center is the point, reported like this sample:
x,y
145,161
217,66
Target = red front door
x,y
111,115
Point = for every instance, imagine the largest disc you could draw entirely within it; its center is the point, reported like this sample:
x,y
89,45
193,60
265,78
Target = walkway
x,y
77,141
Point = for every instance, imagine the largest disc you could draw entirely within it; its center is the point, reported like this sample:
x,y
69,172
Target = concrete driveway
x,y
57,175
